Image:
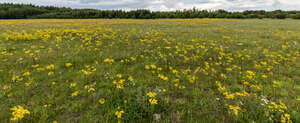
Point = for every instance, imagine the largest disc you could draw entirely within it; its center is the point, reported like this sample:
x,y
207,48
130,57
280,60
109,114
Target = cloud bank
x,y
169,5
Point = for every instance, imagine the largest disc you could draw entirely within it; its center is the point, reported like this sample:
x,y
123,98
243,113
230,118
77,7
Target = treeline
x,y
28,11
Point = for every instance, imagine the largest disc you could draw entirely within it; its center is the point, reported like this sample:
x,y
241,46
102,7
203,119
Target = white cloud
x,y
167,5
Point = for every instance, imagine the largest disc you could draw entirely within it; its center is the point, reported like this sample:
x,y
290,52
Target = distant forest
x,y
28,11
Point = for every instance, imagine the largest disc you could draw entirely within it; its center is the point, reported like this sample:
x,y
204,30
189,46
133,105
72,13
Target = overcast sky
x,y
167,5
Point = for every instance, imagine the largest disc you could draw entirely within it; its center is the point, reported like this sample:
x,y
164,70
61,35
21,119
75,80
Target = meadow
x,y
162,70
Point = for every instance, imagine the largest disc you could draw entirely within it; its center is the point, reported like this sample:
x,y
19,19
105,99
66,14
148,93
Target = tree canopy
x,y
29,11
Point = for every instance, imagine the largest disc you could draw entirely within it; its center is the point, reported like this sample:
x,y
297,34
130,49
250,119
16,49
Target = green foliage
x,y
24,11
280,16
296,16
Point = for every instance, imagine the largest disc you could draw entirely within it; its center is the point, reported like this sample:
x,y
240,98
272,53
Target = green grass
x,y
188,57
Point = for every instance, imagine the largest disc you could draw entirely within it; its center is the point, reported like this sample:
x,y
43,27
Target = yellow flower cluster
x,y
68,64
152,99
88,70
75,94
18,113
119,114
108,60
280,108
101,101
90,89
163,77
234,109
17,79
120,80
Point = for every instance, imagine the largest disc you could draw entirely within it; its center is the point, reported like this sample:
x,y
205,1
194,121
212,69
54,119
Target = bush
x,y
296,16
280,16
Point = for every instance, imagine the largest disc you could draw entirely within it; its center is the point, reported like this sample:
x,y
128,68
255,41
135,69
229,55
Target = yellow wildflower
x,y
264,76
153,66
74,94
119,113
119,75
152,101
50,67
276,83
50,73
102,101
130,78
27,84
108,60
120,86
53,83
26,74
223,75
5,87
151,94
91,90
72,85
68,64
147,67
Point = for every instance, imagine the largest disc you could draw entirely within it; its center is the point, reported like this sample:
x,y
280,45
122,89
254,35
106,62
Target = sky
x,y
169,5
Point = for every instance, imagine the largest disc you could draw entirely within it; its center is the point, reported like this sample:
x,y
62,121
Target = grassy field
x,y
179,70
